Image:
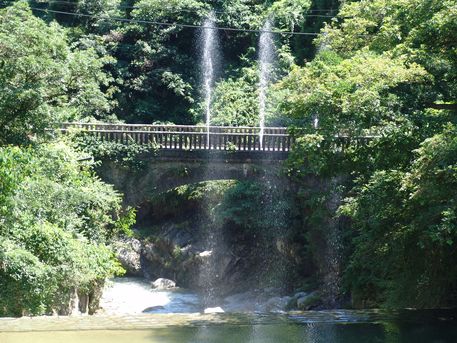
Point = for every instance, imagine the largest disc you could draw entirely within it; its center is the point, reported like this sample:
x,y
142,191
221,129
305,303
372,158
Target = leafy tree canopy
x,y
56,220
385,69
43,79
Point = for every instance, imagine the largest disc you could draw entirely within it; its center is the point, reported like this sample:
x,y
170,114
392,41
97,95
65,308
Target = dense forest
x,y
381,68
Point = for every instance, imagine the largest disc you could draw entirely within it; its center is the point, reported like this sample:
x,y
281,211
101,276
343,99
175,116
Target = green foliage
x,y
24,281
289,13
354,96
256,208
125,154
153,62
56,220
56,217
424,31
407,221
307,156
236,100
126,221
250,206
156,73
201,197
43,80
380,73
384,68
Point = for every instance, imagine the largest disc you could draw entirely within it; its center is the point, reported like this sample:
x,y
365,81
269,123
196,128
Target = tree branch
x,y
452,107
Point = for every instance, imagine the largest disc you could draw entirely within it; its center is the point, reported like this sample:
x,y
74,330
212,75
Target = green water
x,y
330,326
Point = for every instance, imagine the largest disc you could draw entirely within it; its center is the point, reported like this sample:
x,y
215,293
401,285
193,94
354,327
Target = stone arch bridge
x,y
167,170
189,154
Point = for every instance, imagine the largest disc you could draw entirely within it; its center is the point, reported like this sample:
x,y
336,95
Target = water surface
x,y
325,326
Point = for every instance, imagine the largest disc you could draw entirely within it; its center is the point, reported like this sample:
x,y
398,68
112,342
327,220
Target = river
x,y
176,317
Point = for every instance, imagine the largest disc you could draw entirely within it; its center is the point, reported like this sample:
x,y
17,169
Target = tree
x,y
407,231
381,72
56,222
424,32
43,80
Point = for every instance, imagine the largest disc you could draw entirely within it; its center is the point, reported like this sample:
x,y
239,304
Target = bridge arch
x,y
169,170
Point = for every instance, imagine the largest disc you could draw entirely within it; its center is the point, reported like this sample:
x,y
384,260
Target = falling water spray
x,y
323,46
213,242
266,61
209,63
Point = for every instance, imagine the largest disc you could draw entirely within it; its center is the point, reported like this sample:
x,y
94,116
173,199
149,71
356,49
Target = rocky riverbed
x,y
133,295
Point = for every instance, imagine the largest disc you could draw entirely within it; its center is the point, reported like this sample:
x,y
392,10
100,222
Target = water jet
x,y
210,45
266,62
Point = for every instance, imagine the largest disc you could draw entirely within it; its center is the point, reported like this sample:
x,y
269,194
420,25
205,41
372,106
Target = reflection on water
x,y
312,333
312,327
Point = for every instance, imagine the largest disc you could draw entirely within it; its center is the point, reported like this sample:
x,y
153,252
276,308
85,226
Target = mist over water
x,y
267,56
209,64
209,272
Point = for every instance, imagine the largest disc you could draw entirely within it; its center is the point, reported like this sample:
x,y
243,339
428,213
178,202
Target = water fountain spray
x,y
266,61
209,63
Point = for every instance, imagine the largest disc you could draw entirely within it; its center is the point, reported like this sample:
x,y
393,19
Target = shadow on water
x,y
406,327
312,327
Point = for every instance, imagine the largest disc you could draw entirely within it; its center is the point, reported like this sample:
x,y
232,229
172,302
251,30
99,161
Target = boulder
x,y
153,309
163,283
128,252
206,253
213,310
157,252
300,295
308,301
177,236
277,304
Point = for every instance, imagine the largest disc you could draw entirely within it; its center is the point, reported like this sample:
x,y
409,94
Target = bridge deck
x,y
187,137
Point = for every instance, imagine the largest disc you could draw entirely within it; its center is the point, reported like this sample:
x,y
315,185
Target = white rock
x,y
213,310
206,253
163,284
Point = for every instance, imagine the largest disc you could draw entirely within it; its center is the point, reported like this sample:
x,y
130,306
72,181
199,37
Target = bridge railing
x,y
188,137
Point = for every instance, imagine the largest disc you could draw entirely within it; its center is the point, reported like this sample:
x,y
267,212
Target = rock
x,y
156,259
68,304
163,284
177,236
153,308
241,302
128,252
277,304
213,310
94,297
300,295
83,302
309,301
271,291
302,303
156,252
207,253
